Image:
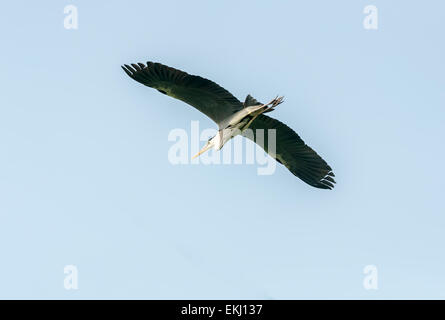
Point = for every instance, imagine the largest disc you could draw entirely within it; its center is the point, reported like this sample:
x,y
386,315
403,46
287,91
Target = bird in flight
x,y
234,117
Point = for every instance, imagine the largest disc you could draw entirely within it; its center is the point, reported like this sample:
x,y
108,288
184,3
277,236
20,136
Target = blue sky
x,y
85,178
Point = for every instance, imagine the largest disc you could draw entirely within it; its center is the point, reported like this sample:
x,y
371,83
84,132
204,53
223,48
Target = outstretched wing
x,y
206,96
291,151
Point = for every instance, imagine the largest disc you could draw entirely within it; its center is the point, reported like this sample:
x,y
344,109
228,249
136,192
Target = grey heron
x,y
234,117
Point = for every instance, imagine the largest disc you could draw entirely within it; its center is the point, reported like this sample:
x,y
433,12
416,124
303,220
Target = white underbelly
x,y
227,134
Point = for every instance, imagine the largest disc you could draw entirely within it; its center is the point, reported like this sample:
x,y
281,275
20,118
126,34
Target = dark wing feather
x,y
206,96
291,151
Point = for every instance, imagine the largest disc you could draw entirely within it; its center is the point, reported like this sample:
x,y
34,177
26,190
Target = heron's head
x,y
211,143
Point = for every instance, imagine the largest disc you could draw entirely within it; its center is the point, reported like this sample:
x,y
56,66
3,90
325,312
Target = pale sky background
x,y
85,179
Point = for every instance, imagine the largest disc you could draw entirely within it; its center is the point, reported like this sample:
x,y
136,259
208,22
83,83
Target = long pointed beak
x,y
206,147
